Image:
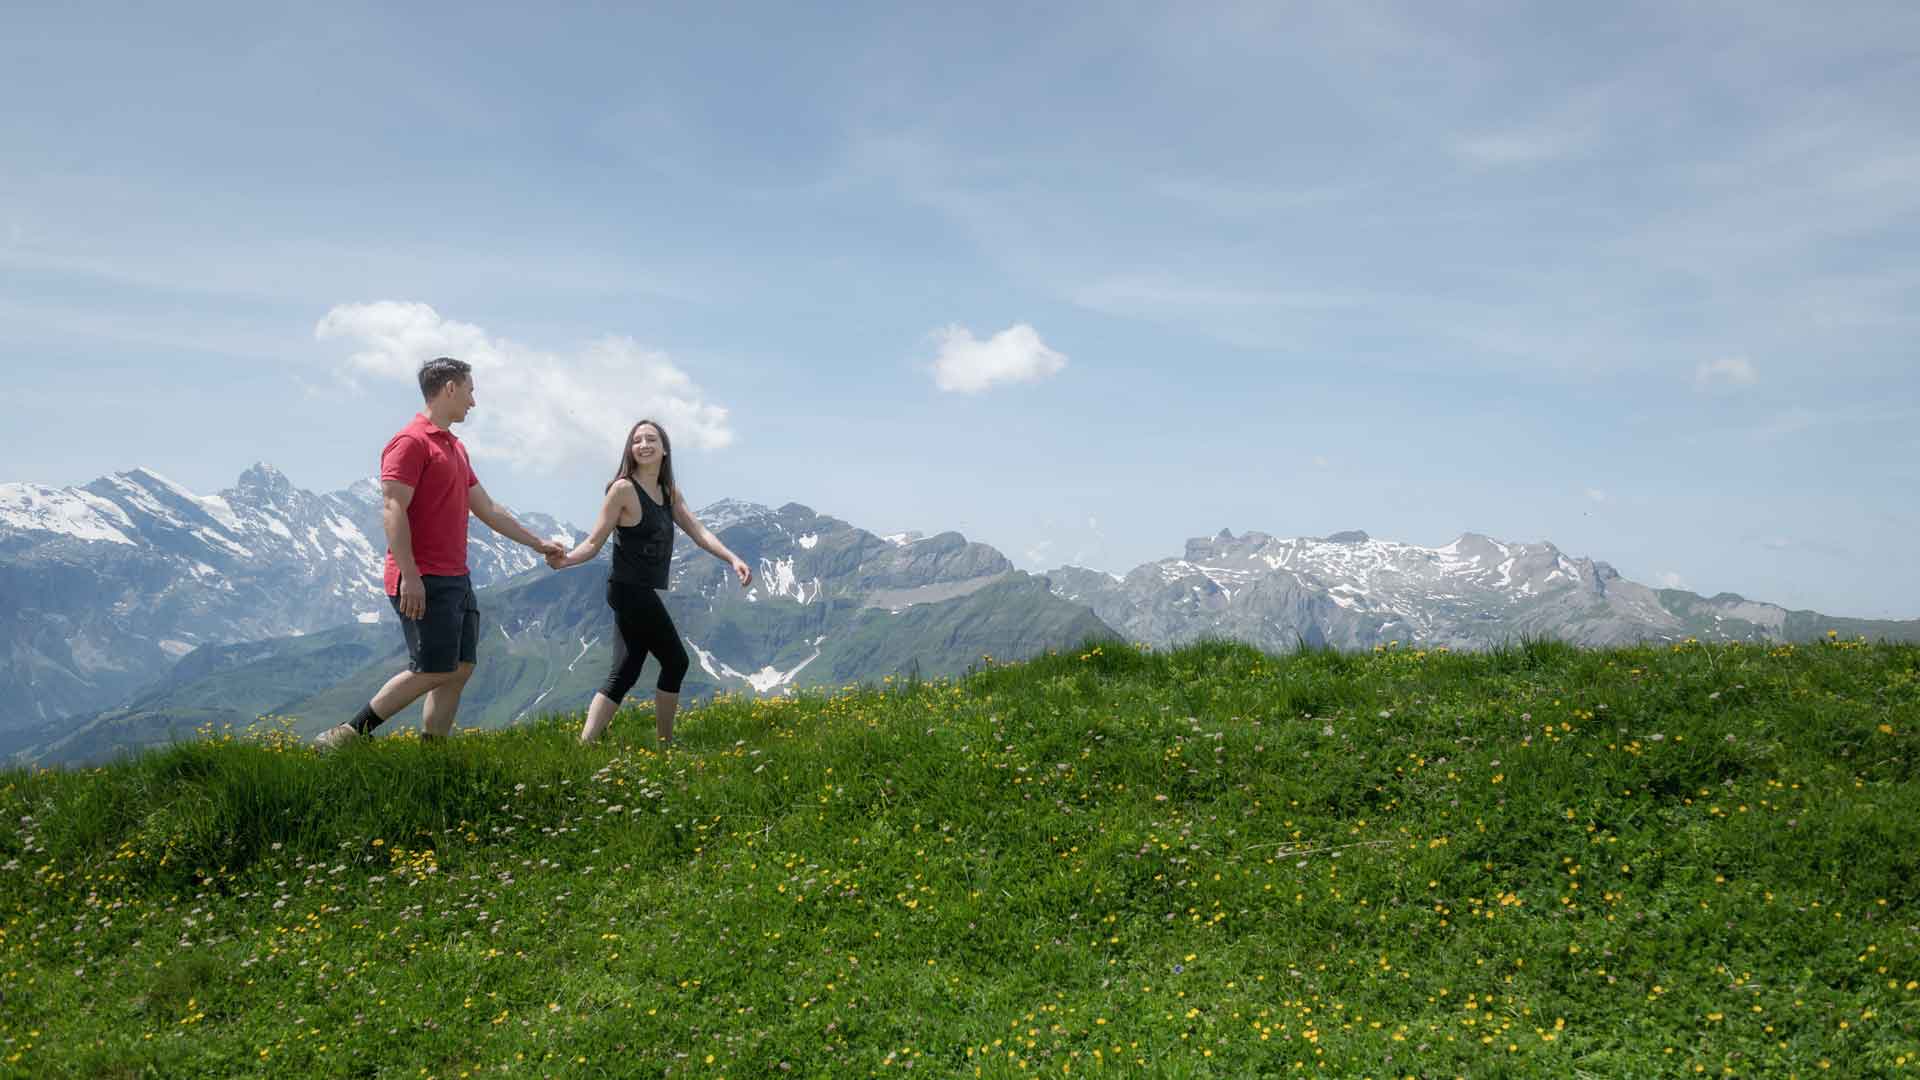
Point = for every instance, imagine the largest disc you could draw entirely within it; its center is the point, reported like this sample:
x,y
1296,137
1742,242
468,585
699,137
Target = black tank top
x,y
642,551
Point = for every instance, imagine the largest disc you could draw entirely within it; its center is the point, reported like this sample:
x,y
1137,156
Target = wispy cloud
x,y
1596,495
1728,371
1822,548
1515,148
1228,199
967,365
1800,418
535,408
1132,294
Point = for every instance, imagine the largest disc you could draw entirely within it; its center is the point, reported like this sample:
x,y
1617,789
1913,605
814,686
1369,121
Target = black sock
x,y
366,720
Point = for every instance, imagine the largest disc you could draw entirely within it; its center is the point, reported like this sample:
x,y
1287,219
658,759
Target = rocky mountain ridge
x,y
1352,591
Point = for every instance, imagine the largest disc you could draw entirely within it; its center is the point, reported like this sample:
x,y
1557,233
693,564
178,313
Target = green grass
x,y
1543,861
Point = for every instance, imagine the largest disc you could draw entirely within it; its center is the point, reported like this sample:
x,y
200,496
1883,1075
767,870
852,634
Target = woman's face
x,y
645,448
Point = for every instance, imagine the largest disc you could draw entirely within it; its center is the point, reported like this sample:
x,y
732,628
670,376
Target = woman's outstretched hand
x,y
740,571
559,560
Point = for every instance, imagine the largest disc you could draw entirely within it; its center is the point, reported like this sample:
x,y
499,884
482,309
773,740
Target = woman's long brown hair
x,y
628,466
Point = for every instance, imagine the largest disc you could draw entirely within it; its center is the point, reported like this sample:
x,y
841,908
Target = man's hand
x,y
745,575
413,597
558,560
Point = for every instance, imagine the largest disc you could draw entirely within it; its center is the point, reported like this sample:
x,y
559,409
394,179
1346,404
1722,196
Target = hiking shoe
x,y
334,738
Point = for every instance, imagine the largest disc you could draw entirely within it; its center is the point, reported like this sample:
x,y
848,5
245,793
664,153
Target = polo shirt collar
x,y
425,425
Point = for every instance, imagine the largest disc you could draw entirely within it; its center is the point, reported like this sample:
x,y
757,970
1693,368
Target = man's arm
x,y
495,517
395,498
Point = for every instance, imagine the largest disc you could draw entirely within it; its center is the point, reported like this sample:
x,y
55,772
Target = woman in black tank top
x,y
642,506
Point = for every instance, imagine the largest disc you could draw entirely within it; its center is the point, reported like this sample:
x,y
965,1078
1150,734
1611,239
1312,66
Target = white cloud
x,y
1518,147
967,365
1726,371
1596,495
534,408
1672,580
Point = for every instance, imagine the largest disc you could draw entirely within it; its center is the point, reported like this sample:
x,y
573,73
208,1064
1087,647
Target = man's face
x,y
459,395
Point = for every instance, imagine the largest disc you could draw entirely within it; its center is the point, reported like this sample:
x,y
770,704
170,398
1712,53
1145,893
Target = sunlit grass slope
x,y
1540,862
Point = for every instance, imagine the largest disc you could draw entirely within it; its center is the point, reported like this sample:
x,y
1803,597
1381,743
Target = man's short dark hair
x,y
440,371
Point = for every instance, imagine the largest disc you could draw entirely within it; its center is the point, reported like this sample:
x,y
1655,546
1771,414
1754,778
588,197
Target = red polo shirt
x,y
431,461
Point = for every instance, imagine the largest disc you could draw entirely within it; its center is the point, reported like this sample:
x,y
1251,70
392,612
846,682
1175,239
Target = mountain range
x,y
135,611
103,588
1352,591
830,605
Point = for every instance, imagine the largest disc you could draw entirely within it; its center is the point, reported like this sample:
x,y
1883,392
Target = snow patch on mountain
x,y
585,644
766,679
779,578
221,511
66,511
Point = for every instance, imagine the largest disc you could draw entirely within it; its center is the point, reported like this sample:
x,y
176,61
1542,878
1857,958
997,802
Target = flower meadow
x,y
1540,861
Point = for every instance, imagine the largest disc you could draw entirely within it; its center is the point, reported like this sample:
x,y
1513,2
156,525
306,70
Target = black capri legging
x,y
645,627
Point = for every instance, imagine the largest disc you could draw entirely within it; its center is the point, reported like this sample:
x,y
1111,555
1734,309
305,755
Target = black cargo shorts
x,y
448,635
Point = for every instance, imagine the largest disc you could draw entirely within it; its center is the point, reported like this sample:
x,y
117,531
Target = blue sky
x,y
1639,279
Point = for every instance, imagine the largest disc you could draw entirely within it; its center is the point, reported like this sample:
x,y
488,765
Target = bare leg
x,y
405,688
442,691
599,714
436,716
664,705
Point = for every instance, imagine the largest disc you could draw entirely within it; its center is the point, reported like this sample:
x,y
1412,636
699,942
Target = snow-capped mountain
x,y
1350,590
830,604
102,587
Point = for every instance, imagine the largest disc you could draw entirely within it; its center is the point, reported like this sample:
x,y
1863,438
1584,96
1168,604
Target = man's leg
x,y
400,691
443,701
439,645
406,688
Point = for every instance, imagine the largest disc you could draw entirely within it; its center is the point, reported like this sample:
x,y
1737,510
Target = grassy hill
x,y
1213,862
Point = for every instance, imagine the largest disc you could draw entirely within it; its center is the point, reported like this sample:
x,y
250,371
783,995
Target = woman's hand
x,y
560,560
741,571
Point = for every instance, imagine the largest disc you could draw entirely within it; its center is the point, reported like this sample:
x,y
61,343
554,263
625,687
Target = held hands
x,y
555,553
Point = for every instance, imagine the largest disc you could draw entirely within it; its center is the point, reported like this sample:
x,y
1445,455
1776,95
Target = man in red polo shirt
x,y
429,488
